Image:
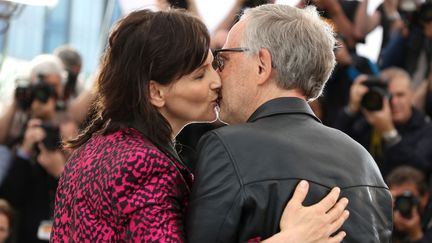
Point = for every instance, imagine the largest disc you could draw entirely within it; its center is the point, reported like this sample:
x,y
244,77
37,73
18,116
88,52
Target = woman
x,y
124,181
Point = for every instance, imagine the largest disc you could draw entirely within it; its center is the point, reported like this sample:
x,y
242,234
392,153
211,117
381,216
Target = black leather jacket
x,y
247,173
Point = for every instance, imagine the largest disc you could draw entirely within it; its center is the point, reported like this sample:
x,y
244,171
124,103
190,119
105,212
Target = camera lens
x,y
372,100
404,203
42,92
41,95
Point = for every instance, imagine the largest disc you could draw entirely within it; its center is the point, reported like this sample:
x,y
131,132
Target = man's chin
x,y
399,119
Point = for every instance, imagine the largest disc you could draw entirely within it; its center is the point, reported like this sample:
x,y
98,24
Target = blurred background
x,y
49,56
32,27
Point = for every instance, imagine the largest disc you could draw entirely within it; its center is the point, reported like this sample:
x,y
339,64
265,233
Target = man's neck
x,y
271,94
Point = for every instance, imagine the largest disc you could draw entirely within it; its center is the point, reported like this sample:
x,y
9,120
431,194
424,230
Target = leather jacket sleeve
x,y
217,195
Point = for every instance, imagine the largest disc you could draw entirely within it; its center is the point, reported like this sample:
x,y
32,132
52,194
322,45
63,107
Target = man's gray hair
x,y
46,64
301,45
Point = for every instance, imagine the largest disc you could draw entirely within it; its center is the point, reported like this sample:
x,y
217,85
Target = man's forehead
x,y
235,34
408,186
400,83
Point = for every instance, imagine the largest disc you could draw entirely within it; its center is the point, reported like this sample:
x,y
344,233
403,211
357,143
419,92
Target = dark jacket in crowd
x,y
31,191
414,148
247,173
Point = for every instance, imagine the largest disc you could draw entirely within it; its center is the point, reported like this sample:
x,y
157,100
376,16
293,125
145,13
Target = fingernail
x,y
345,200
303,184
347,213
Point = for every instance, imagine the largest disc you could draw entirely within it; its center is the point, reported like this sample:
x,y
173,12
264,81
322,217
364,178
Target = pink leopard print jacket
x,y
121,188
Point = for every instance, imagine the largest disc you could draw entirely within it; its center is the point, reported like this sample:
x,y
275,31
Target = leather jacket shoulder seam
x,y
313,182
232,160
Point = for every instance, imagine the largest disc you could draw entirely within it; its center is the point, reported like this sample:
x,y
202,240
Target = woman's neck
x,y
176,128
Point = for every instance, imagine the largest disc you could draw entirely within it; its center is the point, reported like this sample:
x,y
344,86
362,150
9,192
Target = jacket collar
x,y
168,149
417,120
284,105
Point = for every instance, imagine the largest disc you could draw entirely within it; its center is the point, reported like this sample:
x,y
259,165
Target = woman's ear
x,y
156,94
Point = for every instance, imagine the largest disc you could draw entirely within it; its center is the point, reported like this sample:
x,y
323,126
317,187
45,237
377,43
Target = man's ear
x,y
156,94
264,65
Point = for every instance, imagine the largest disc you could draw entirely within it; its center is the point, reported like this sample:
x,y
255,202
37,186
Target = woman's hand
x,y
316,223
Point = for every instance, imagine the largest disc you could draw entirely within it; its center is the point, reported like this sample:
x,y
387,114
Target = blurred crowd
x,y
384,105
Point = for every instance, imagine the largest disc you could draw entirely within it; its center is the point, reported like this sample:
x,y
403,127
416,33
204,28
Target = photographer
x,y
412,205
393,131
13,119
72,62
31,182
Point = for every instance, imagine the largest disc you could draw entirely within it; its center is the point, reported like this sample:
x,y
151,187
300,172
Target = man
x,y
48,68
413,207
72,62
37,162
398,134
275,59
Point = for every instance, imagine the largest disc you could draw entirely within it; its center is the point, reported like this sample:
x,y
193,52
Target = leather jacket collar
x,y
283,105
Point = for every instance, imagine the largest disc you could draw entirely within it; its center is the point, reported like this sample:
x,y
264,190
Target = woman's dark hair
x,y
145,45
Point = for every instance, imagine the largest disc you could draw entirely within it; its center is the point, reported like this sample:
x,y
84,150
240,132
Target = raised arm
x,y
6,119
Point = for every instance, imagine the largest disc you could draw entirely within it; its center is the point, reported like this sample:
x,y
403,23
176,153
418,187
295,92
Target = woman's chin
x,y
207,118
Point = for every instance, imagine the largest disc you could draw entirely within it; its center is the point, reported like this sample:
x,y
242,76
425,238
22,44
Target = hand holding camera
x,y
45,139
356,93
381,120
53,161
33,135
406,216
39,132
369,94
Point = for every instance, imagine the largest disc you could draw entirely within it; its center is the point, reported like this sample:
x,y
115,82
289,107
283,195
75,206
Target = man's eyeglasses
x,y
218,61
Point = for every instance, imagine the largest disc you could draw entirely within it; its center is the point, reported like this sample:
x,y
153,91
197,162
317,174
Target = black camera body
x,y
52,140
23,94
405,202
26,93
373,100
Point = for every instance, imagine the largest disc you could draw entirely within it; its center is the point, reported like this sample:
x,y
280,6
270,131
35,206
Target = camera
x,y
405,202
374,98
26,93
52,140
23,94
